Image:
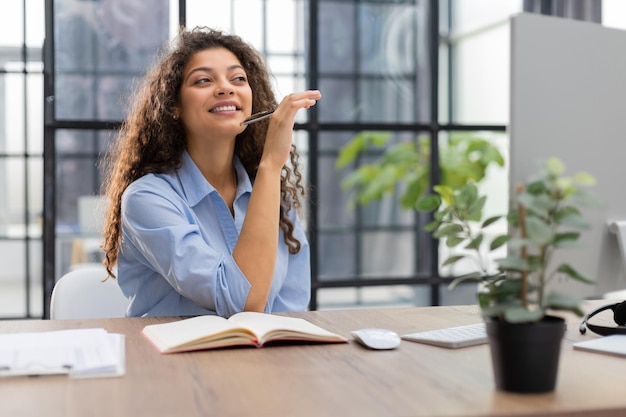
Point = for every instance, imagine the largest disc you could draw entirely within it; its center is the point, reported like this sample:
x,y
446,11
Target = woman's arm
x,y
256,249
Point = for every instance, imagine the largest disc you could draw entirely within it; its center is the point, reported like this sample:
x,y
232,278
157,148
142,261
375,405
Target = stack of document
x,y
77,352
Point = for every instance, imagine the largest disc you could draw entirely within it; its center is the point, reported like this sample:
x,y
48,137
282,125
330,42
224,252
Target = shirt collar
x,y
196,187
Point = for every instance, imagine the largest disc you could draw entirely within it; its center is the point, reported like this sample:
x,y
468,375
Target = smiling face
x,y
215,96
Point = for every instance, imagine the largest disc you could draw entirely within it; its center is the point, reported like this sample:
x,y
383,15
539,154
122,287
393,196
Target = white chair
x,y
83,293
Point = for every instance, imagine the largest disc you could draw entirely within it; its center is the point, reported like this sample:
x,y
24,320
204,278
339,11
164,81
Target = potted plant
x,y
514,297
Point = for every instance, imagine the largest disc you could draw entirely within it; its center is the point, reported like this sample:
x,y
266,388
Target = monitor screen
x,y
568,100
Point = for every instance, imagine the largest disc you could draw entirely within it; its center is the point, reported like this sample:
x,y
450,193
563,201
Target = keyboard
x,y
451,337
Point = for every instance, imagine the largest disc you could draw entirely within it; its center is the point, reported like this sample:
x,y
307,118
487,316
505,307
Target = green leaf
x,y
432,226
537,188
416,186
348,153
440,215
584,178
564,212
475,243
448,230
467,195
574,274
498,241
452,241
360,143
538,231
384,181
402,154
568,244
508,288
446,193
490,221
566,240
490,308
472,276
356,177
540,204
517,243
453,259
566,185
428,203
555,166
586,199
574,220
475,209
514,263
523,315
512,217
558,301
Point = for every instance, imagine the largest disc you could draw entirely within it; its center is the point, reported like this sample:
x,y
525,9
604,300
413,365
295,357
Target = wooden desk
x,y
318,380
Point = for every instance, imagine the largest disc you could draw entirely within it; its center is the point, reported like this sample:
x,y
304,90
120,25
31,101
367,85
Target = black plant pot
x,y
525,356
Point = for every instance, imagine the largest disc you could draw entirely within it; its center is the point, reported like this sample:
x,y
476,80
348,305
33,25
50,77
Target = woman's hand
x,y
280,131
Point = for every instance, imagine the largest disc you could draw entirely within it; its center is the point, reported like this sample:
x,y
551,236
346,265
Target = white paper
x,y
613,345
77,352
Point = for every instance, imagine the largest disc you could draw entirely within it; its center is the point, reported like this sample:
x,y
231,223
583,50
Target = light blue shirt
x,y
176,254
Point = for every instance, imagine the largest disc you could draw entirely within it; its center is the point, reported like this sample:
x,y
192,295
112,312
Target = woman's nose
x,y
224,89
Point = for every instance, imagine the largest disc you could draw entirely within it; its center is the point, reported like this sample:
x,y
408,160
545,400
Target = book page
x,y
269,327
199,332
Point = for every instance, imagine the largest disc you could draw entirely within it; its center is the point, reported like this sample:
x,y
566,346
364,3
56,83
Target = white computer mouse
x,y
376,338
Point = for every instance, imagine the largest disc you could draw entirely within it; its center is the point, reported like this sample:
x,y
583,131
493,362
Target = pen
x,y
257,116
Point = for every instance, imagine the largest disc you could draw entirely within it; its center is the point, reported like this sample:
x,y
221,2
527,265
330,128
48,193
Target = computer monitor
x,y
568,99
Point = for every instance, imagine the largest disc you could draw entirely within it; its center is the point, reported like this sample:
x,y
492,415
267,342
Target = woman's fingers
x,y
295,101
280,131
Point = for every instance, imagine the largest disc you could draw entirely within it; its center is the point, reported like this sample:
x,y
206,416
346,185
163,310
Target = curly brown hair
x,y
152,139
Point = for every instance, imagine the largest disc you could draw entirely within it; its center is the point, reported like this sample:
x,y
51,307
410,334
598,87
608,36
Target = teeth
x,y
223,108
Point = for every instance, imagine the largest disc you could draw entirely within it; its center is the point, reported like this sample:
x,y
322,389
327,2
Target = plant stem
x,y
545,251
541,273
469,237
524,252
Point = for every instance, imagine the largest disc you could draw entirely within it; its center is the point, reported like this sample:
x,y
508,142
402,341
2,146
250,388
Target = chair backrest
x,y
83,293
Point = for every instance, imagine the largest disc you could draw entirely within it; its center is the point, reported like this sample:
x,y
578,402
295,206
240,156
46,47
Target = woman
x,y
202,209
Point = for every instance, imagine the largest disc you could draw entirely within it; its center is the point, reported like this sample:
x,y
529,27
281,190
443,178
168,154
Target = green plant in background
x,y
545,216
465,158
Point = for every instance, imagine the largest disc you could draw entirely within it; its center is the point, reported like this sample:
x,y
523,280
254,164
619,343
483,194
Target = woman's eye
x,y
240,79
202,81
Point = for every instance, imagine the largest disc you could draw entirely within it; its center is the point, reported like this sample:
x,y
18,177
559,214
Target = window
x,y
21,163
410,68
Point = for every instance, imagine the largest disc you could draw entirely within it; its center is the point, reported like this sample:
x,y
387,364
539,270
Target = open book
x,y
241,329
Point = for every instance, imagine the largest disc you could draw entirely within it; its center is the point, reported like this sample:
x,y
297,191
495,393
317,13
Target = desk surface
x,y
319,380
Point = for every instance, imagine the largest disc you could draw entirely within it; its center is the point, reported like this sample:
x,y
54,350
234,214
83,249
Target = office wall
x,y
567,100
